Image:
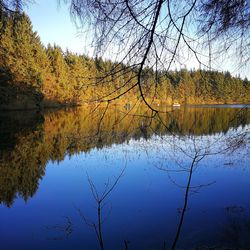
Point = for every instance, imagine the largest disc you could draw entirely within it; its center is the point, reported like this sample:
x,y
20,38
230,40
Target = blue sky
x,y
54,25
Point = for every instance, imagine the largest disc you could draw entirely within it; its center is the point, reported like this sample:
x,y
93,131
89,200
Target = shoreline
x,y
69,106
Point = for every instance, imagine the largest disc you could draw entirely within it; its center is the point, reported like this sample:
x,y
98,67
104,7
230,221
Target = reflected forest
x,y
139,141
54,135
30,141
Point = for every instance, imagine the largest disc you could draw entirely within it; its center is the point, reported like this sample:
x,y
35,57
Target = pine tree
x,y
23,59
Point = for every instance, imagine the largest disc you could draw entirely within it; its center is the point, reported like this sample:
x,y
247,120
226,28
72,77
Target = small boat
x,y
176,105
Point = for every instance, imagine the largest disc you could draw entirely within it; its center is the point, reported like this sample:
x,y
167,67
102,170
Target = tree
x,y
154,36
23,60
157,33
59,70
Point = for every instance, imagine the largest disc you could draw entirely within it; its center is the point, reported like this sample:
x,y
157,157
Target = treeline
x,y
32,75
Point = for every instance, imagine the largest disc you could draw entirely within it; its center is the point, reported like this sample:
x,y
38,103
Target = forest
x,y
35,76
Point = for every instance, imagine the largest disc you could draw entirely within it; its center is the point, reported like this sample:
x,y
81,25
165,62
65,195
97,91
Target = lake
x,y
111,177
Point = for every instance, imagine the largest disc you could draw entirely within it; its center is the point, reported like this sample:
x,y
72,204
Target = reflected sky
x,y
144,208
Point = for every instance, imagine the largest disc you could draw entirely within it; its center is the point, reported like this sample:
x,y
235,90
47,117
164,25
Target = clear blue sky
x,y
54,25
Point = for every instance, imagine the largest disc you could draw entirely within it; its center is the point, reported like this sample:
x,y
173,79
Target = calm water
x,y
97,178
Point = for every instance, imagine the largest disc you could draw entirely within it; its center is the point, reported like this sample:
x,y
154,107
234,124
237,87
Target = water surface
x,y
176,180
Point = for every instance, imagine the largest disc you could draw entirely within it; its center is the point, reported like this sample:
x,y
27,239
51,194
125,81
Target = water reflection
x,y
191,155
21,155
237,226
31,142
100,199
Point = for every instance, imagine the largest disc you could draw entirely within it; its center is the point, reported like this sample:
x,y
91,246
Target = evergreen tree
x,y
23,59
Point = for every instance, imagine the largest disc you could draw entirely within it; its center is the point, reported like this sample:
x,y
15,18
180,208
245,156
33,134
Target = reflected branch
x,y
109,187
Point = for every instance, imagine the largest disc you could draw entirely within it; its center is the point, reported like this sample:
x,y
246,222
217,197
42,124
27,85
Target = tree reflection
x,y
191,152
21,159
30,141
185,143
100,199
